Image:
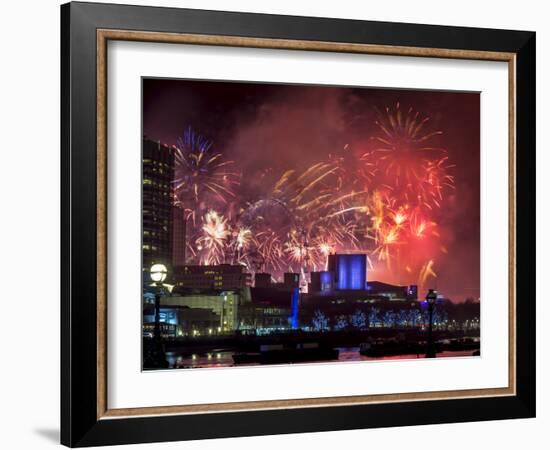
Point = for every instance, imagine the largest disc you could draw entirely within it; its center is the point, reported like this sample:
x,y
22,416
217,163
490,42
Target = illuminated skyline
x,y
293,173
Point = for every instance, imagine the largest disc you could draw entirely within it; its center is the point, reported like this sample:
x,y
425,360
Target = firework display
x,y
382,201
277,178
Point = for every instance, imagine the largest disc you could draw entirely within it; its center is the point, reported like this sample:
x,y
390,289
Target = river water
x,y
225,359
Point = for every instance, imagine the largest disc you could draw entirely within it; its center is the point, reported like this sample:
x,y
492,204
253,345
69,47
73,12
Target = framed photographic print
x,y
277,224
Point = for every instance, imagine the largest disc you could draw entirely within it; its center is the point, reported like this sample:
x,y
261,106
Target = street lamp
x,y
154,356
158,275
431,298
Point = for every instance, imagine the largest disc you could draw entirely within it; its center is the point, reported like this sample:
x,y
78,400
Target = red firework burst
x,y
407,159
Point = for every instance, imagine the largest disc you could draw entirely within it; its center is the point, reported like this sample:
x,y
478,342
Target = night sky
x,y
276,127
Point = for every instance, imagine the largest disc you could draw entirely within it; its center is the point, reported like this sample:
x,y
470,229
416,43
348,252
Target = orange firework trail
x,y
270,250
426,271
312,211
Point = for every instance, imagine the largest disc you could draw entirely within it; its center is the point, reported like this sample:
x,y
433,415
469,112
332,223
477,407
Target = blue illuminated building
x,y
322,282
295,302
350,271
327,281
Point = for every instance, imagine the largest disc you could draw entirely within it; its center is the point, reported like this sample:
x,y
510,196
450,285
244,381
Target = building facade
x,y
350,271
222,277
225,306
321,282
157,176
262,280
264,319
179,236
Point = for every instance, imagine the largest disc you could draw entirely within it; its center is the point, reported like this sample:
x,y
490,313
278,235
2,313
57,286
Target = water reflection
x,y
225,358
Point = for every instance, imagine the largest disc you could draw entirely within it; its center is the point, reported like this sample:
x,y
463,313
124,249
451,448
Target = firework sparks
x,y
213,241
399,217
244,236
325,248
295,251
270,251
199,171
414,168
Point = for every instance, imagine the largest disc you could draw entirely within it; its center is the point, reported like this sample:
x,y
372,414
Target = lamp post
x,y
431,298
154,356
158,275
